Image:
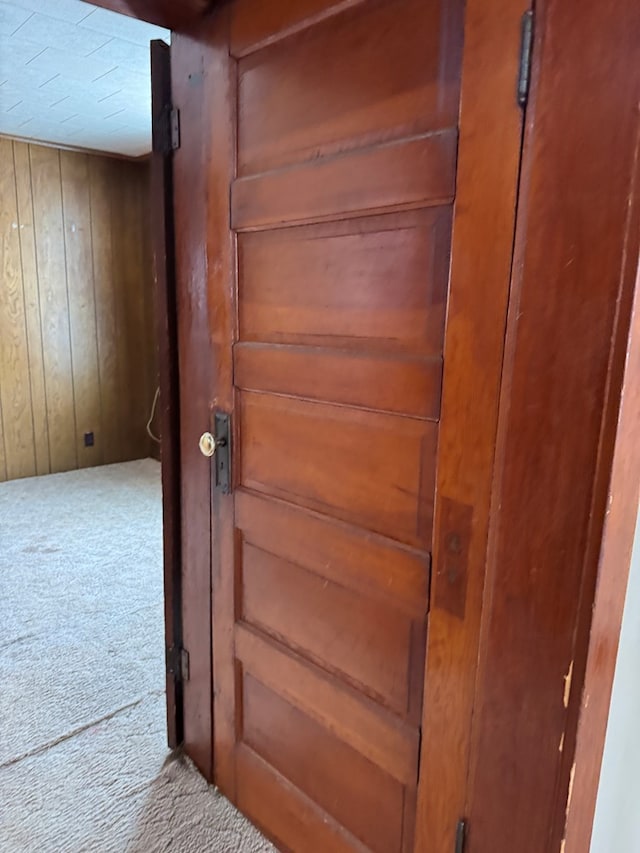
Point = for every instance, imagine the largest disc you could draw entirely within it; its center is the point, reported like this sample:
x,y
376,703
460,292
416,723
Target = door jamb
x,y
572,290
613,566
164,274
490,141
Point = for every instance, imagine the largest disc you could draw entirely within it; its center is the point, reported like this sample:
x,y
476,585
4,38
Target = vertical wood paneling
x,y
100,181
3,461
134,304
129,281
15,392
54,306
77,352
82,309
151,356
32,307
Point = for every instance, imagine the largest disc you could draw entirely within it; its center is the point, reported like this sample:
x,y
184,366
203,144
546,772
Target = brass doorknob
x,y
207,444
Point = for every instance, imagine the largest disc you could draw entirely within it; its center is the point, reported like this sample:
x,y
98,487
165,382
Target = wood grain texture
x,y
189,56
76,202
377,735
255,24
371,469
395,58
15,391
410,173
613,569
384,569
385,383
289,817
67,359
347,268
348,307
559,400
354,791
167,422
32,306
54,306
365,641
482,249
107,337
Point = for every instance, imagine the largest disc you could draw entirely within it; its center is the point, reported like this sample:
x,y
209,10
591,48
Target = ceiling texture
x,y
76,75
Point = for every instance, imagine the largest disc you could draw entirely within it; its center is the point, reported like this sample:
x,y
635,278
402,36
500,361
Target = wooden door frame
x,y
173,15
574,273
490,139
613,573
569,121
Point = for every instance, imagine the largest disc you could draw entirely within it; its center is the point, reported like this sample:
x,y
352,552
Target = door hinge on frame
x,y
178,663
461,836
174,128
166,135
524,71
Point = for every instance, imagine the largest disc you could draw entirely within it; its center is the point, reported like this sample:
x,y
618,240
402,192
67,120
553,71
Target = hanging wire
x,y
152,416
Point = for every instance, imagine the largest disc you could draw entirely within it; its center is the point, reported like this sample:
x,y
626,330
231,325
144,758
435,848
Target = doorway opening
x,y
82,655
83,743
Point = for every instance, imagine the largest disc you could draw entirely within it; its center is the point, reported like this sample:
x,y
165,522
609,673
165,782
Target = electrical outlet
x,y
88,439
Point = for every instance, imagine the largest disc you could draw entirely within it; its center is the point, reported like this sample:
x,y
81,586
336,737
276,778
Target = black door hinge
x,y
526,44
166,133
174,128
461,836
178,663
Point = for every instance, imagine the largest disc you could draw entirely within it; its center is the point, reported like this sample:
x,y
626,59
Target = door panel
x,y
379,736
345,784
371,381
371,469
323,545
277,804
384,81
416,172
255,23
368,253
328,330
365,641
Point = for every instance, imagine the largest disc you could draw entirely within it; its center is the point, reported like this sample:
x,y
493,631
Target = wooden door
x,y
332,177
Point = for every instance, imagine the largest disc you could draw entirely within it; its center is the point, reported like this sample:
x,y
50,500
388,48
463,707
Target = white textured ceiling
x,y
74,74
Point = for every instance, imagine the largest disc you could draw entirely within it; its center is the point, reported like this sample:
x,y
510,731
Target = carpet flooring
x,y
83,758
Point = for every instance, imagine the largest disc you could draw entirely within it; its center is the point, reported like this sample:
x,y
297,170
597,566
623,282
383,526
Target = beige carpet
x,y
83,758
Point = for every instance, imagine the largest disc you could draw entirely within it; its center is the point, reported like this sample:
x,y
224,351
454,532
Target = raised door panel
x,y
384,569
380,75
371,469
377,280
365,641
380,736
283,811
406,173
371,381
349,787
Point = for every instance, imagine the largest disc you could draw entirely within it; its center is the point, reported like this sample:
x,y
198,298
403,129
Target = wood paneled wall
x,y
77,350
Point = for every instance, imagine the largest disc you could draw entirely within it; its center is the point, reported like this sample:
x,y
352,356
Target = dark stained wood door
x,y
332,178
